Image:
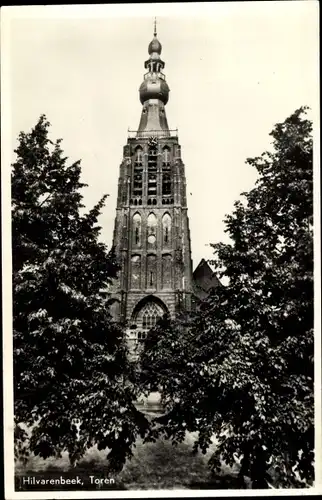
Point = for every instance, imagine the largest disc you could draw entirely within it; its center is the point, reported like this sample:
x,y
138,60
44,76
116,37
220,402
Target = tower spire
x,y
154,91
155,27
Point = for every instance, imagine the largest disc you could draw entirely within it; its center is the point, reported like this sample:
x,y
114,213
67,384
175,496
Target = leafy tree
x,y
71,375
243,369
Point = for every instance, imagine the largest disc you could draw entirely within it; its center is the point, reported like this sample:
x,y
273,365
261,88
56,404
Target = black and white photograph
x,y
161,250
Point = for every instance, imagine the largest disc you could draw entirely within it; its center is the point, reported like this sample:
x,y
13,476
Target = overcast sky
x,y
234,70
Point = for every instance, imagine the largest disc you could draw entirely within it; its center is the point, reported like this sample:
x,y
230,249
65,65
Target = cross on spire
x,y
155,26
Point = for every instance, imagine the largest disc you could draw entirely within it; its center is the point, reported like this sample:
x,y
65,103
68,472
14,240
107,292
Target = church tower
x,y
151,236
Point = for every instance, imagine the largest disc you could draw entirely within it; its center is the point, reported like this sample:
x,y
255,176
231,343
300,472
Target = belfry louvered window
x,y
166,184
152,171
138,173
137,182
152,184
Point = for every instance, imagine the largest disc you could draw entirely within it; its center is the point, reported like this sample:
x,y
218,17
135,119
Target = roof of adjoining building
x,y
204,279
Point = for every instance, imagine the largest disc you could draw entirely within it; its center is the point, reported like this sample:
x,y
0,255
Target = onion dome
x,y
155,46
154,89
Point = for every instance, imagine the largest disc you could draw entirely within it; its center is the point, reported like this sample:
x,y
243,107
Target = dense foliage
x,y
242,368
71,374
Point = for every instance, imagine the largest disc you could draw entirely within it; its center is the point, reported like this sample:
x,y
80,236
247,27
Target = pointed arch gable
x,y
151,217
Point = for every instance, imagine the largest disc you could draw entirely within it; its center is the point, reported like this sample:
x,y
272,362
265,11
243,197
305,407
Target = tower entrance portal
x,y
145,316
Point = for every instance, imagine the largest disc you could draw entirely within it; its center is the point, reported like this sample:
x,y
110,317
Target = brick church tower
x,y
151,235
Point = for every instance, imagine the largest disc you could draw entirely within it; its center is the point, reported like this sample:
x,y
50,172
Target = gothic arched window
x,y
151,271
166,270
139,154
124,231
137,180
149,315
166,230
136,230
135,271
166,155
151,231
124,191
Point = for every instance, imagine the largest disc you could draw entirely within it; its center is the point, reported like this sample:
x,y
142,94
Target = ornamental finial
x,y
155,26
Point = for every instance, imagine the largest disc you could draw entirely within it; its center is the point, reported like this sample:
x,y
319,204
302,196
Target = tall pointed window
x,y
151,231
166,155
139,154
124,189
136,271
166,230
124,238
151,272
166,271
136,237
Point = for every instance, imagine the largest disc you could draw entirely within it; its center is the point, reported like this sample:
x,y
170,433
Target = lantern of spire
x,y
154,85
155,46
